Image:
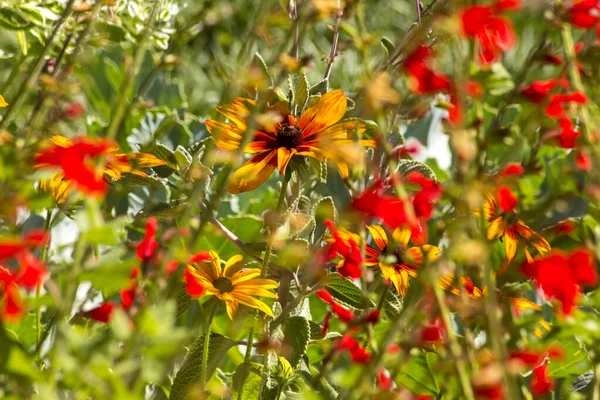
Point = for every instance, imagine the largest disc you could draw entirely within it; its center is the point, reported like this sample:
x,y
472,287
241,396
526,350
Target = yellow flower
x,y
511,229
319,133
3,102
115,165
232,284
407,260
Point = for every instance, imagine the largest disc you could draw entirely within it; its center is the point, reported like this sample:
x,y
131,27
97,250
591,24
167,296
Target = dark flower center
x,y
397,253
511,217
224,285
289,136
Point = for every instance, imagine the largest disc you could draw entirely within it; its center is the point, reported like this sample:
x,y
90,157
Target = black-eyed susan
x,y
406,260
230,283
76,158
507,225
319,133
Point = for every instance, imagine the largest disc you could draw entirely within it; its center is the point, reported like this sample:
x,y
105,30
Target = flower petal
x,y
496,228
379,236
231,307
252,302
233,265
401,236
328,110
253,173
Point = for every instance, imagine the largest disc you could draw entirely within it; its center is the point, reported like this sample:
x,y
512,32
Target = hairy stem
x,y
38,290
336,36
206,345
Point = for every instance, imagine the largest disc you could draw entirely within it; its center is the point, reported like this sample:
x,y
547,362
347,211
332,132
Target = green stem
x,y
203,377
455,348
383,296
119,112
13,74
263,272
39,64
38,290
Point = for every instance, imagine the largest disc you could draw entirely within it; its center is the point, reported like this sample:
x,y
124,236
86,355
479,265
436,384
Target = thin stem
x,y
37,68
203,377
418,6
455,347
263,271
336,36
384,293
13,74
294,16
38,290
119,112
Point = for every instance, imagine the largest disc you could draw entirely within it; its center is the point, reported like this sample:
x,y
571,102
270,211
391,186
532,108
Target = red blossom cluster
x,y
541,381
560,275
344,314
29,275
392,211
348,248
493,33
584,14
145,251
358,353
426,81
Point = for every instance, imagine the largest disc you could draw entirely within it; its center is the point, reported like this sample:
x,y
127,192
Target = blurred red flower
x,y
583,14
146,248
358,353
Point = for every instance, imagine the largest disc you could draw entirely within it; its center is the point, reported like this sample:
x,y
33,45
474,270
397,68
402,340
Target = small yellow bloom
x,y
3,102
511,229
407,260
319,133
232,284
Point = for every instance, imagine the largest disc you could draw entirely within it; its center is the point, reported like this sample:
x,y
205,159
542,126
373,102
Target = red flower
x,y
12,305
493,33
557,103
343,313
373,316
358,353
512,169
541,382
192,286
77,162
583,160
345,245
147,247
433,332
423,80
506,199
102,313
583,14
489,392
11,246
384,379
568,135
325,296
559,275
430,193
539,90
74,110
326,320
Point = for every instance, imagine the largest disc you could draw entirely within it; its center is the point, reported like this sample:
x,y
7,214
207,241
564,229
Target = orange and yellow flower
x,y
231,284
319,133
407,260
508,226
82,171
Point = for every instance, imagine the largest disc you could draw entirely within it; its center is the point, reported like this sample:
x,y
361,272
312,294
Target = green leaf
x,y
301,96
183,158
296,331
251,389
405,167
417,374
388,46
392,306
162,210
189,373
325,209
182,300
135,180
345,292
259,62
320,88
13,19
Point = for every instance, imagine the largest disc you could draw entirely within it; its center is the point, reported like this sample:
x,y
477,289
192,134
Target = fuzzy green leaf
x,y
297,333
345,292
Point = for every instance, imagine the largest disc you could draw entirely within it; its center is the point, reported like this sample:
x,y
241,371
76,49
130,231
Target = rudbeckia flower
x,y
77,158
507,225
346,245
231,284
408,260
319,133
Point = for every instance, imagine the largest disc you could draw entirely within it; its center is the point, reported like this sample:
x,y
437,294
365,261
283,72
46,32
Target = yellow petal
x,y
401,236
253,173
257,283
228,137
61,141
328,110
246,275
215,263
3,102
144,160
496,228
523,304
231,307
341,130
535,239
233,265
343,168
379,236
252,302
284,156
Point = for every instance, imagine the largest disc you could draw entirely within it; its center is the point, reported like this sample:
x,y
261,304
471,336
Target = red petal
x,y
506,198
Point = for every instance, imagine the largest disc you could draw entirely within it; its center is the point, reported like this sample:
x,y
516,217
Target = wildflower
x,y
538,91
583,14
506,198
558,102
384,379
511,229
318,133
493,33
344,314
423,80
560,275
347,245
146,248
541,382
3,102
567,137
76,159
102,313
11,246
433,332
358,353
512,169
583,160
406,261
231,284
